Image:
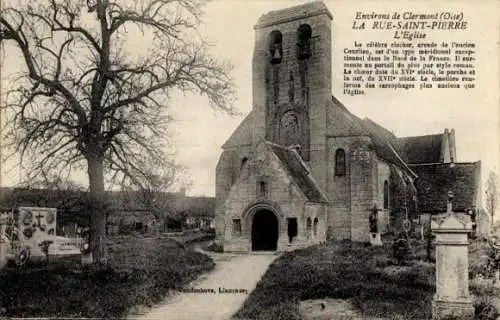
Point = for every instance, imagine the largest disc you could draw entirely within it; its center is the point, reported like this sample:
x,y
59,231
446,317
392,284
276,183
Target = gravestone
x,y
452,298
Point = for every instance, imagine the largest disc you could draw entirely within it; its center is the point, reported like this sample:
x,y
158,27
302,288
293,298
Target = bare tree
x,y
85,101
157,189
492,195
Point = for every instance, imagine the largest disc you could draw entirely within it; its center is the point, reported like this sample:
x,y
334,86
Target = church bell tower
x,y
292,78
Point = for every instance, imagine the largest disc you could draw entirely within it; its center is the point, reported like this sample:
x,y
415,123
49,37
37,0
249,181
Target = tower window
x,y
304,33
340,162
275,46
386,194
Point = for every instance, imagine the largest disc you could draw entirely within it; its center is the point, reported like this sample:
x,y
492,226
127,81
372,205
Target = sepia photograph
x,y
236,159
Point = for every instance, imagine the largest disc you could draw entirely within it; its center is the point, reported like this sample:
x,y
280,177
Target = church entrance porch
x,y
265,231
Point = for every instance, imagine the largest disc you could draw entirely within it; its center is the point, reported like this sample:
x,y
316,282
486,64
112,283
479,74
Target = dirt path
x,y
232,271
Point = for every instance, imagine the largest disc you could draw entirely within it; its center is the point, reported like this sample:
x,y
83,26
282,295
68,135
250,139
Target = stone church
x,y
301,168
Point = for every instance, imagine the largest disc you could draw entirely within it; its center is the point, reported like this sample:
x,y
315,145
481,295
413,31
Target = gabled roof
x,y
347,124
243,133
421,149
299,172
383,142
435,180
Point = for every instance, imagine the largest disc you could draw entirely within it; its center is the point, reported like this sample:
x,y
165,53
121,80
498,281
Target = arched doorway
x,y
265,231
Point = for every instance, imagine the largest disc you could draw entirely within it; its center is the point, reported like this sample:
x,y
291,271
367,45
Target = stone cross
x,y
452,298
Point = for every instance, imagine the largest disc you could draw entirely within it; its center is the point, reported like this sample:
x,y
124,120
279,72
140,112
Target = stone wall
x,y
227,171
283,196
363,180
339,189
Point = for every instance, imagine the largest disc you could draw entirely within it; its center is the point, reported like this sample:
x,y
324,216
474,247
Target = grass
x,y
141,272
366,276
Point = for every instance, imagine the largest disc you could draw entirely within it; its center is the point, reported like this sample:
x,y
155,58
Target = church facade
x,y
301,168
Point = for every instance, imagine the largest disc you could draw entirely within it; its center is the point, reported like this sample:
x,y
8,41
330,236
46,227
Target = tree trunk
x,y
97,210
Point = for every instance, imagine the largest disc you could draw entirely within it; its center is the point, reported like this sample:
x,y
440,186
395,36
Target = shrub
x,y
484,309
215,247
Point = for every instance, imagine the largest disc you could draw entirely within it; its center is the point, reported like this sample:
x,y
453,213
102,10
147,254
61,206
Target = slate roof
x,y
435,180
193,206
384,141
344,122
293,13
299,172
421,149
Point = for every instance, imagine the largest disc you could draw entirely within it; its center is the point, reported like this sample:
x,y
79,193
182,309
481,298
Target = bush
x,y
484,309
215,247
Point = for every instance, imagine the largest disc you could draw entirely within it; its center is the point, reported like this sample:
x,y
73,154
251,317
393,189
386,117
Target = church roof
x,y
299,172
435,180
243,133
346,123
384,141
421,149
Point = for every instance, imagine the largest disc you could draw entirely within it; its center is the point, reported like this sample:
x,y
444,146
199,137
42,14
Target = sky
x,y
199,132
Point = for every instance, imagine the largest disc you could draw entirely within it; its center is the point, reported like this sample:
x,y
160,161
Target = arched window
x,y
304,33
275,46
386,194
308,228
315,226
340,162
243,164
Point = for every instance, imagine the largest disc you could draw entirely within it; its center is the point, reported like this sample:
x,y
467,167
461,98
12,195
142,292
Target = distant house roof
x,y
299,172
421,149
435,180
193,206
